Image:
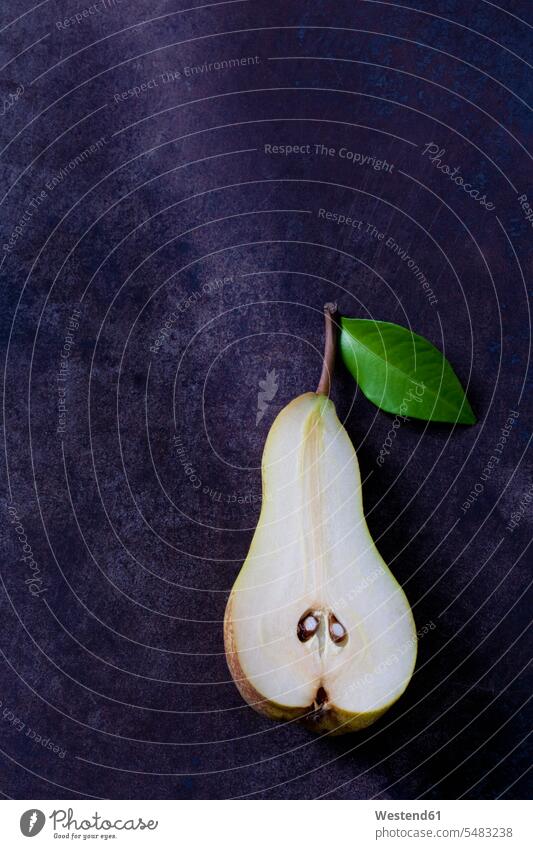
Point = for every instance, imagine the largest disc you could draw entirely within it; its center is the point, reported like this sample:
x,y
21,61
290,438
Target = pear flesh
x,y
316,626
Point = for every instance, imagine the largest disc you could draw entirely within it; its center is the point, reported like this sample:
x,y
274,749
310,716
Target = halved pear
x,y
316,626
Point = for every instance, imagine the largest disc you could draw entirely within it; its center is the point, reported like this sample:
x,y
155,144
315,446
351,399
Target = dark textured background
x,y
119,659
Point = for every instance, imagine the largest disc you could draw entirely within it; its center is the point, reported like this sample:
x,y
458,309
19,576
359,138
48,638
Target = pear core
x,y
316,626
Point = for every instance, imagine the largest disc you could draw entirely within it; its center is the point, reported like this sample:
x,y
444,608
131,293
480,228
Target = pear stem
x,y
330,349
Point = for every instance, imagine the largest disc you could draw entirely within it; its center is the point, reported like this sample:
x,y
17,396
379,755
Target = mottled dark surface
x,y
140,511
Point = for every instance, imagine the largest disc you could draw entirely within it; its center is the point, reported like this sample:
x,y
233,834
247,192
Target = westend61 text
x,y
407,815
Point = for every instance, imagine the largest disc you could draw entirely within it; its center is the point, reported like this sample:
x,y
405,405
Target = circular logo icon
x,y
32,822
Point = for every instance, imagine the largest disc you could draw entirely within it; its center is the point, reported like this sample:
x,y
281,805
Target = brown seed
x,y
337,631
307,627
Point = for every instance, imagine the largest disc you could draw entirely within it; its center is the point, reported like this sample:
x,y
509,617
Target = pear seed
x,y
337,631
307,627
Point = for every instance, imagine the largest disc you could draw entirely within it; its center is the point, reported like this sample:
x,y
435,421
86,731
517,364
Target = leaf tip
x,y
467,416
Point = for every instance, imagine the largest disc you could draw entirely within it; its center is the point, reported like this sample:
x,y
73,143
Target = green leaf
x,y
402,373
